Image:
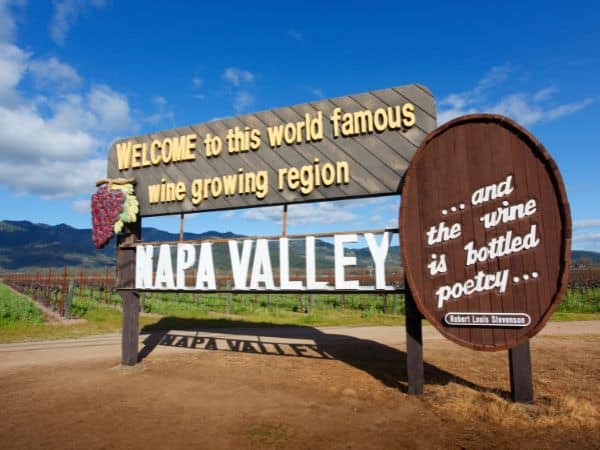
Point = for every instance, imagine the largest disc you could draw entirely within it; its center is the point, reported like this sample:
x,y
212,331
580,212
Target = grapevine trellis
x,y
55,289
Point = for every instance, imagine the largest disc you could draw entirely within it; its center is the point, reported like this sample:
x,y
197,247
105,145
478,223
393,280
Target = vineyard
x,y
56,290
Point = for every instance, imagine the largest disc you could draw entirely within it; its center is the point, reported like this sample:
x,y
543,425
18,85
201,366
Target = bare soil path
x,y
296,387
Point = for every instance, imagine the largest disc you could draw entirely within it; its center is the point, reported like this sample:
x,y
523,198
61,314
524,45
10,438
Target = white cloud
x,y
242,101
590,223
71,112
7,20
111,107
587,241
525,108
568,108
52,72
228,214
586,234
326,213
518,107
317,93
13,63
296,35
66,13
544,94
159,101
162,113
49,142
197,82
82,206
237,76
52,179
25,135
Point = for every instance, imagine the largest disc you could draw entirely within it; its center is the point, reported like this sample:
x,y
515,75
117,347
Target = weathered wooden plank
x,y
377,160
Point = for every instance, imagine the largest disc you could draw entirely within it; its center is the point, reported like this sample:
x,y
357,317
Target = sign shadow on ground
x,y
385,363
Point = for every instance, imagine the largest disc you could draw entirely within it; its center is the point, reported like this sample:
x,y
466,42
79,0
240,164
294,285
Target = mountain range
x,y
25,246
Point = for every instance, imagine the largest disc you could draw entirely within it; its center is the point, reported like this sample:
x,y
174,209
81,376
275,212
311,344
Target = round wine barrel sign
x,y
485,230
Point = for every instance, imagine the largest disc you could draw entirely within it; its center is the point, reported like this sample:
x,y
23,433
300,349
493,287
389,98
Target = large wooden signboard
x,y
485,232
353,146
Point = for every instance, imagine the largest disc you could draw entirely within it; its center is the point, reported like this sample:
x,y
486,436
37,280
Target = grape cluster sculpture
x,y
113,205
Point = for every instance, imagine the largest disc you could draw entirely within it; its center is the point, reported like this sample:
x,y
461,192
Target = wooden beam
x,y
181,220
269,238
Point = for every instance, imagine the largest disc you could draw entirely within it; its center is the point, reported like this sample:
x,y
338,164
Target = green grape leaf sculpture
x,y
113,205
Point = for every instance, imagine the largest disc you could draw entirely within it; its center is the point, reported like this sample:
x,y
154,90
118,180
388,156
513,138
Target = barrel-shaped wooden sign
x,y
485,230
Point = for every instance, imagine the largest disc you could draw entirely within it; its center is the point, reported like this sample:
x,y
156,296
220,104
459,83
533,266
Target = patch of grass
x,y
581,300
267,435
272,313
572,317
98,319
486,407
179,311
16,309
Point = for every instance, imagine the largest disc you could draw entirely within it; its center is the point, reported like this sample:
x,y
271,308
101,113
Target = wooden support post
x,y
131,299
521,383
284,221
181,227
414,346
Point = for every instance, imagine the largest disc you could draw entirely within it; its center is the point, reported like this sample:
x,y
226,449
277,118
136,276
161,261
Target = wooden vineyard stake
x,y
69,299
48,288
63,291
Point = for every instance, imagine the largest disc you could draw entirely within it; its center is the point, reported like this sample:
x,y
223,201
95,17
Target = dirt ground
x,y
296,388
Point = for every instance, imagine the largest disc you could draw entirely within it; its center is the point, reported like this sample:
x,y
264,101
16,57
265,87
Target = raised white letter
x,y
143,266
379,253
164,269
186,253
311,281
205,277
284,266
341,261
239,266
262,271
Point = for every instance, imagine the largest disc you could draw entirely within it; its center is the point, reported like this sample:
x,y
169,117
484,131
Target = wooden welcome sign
x,y
346,147
485,226
485,232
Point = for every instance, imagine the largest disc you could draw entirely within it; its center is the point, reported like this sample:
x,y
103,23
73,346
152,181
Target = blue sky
x,y
75,75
